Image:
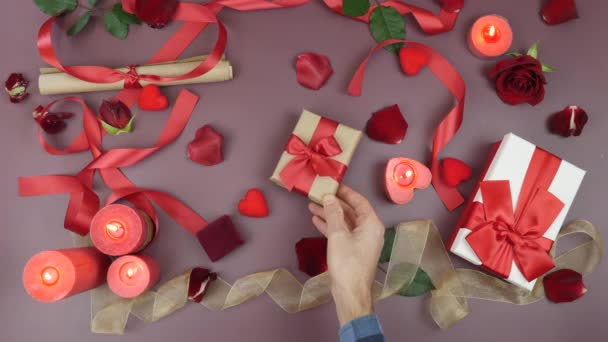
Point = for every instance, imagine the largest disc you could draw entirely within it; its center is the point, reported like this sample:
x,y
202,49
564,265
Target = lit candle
x,y
490,36
119,229
131,275
403,176
50,276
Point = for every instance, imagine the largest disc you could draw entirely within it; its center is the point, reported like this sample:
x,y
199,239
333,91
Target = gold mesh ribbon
x,y
417,244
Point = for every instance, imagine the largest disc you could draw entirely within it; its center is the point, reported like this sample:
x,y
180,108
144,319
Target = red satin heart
x,y
455,171
412,60
313,70
206,148
402,176
152,99
254,204
559,11
564,286
387,125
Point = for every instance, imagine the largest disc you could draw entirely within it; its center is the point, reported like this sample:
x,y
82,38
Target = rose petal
x,y
200,279
51,123
570,121
387,125
452,5
455,171
559,11
313,70
206,148
564,286
312,255
156,13
16,87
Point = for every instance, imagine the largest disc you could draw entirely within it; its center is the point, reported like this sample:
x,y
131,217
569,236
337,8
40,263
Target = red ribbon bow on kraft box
x,y
517,211
316,157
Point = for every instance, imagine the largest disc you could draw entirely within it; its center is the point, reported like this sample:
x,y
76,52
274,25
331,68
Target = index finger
x,y
355,200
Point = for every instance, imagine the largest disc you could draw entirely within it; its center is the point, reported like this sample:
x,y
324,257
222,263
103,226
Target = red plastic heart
x,y
313,70
206,148
152,99
254,204
455,171
564,286
412,60
559,11
403,176
387,125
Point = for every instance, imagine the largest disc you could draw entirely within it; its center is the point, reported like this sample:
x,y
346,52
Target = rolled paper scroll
x,y
52,81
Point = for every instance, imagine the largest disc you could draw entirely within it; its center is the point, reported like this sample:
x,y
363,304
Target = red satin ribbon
x,y
314,159
450,124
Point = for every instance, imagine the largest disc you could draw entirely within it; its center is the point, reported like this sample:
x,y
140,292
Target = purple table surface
x,y
256,112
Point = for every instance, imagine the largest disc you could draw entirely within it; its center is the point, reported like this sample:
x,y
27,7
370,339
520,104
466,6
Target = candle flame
x,y
131,272
113,227
408,173
492,31
47,276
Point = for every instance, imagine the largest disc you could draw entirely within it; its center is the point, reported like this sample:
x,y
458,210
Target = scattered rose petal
x,y
559,11
116,117
206,148
151,98
412,60
452,5
254,204
570,121
156,13
312,255
16,87
387,125
200,279
455,171
313,70
51,123
564,286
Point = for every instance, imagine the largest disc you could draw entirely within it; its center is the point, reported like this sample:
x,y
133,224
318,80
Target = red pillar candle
x,y
119,229
131,275
490,36
50,276
402,177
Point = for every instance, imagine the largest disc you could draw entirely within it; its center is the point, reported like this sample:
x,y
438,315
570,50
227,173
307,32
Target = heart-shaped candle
x,y
402,177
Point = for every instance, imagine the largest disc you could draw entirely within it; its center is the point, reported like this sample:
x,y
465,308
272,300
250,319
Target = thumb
x,y
334,213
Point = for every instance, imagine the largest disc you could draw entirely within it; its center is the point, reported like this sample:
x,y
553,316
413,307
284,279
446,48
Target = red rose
x,y
156,13
519,80
312,255
16,87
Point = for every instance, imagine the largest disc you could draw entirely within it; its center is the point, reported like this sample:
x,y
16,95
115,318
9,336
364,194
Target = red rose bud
x,y
200,279
313,70
156,13
452,5
564,286
519,80
51,123
312,255
387,125
569,121
559,11
116,117
16,87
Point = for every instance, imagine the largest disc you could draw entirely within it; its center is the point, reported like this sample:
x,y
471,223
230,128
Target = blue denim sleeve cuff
x,y
364,329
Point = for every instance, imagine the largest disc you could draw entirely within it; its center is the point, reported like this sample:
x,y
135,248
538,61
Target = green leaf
x,y
116,131
123,16
420,285
547,68
56,7
386,23
92,3
355,8
533,51
116,27
514,54
80,24
389,240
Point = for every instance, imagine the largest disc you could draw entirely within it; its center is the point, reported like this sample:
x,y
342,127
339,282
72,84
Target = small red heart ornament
x,y
152,99
254,204
206,148
313,70
403,176
455,171
413,59
387,125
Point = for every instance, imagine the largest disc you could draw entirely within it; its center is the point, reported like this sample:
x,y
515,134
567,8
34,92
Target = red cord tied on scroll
x,y
501,236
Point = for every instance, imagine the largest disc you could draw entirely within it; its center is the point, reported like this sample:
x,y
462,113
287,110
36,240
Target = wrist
x,y
352,303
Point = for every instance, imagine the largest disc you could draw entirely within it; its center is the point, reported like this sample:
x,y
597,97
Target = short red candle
x,y
50,276
490,36
119,229
131,275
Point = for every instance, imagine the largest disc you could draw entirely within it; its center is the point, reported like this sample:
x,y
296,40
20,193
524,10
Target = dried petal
x,y
559,11
206,148
313,70
455,171
16,87
312,255
116,117
387,125
156,13
570,121
452,5
51,123
200,279
564,286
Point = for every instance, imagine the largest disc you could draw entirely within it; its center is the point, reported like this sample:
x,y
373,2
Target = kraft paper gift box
x,y
516,211
316,157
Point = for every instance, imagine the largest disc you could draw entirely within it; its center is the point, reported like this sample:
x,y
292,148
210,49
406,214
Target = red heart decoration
x,y
455,171
387,125
152,99
559,11
403,176
563,286
412,60
206,148
313,70
254,204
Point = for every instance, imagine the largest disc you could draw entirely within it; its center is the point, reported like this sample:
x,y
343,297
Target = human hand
x,y
355,237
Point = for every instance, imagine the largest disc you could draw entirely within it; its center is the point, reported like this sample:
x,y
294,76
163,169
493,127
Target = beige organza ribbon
x,y
417,244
